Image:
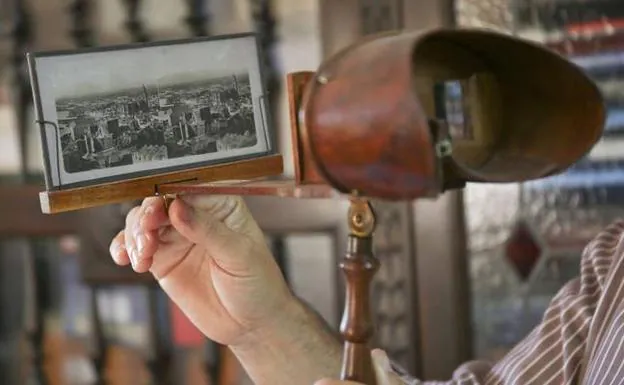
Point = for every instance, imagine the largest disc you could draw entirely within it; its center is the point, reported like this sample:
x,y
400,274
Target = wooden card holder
x,y
56,201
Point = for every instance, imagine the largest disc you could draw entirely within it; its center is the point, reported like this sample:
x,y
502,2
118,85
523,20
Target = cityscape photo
x,y
156,122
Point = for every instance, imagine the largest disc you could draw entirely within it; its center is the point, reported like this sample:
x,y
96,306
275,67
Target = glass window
x,y
525,240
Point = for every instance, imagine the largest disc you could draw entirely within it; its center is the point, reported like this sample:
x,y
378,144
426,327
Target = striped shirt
x,y
581,337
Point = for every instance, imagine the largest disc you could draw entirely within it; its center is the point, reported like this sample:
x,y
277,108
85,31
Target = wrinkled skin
x,y
211,258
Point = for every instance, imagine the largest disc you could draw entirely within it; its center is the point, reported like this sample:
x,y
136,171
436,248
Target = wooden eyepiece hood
x,y
368,117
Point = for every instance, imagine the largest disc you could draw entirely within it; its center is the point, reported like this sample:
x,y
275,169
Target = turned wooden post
x,y
359,267
82,31
99,354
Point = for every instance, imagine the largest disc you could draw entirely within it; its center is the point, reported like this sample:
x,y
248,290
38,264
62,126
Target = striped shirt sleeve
x,y
554,351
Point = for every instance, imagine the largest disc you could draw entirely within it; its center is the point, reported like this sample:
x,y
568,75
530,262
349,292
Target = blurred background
x,y
465,276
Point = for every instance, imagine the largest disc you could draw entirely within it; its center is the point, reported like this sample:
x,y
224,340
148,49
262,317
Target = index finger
x,y
141,233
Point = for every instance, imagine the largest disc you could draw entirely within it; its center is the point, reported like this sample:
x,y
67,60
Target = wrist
x,y
287,318
297,347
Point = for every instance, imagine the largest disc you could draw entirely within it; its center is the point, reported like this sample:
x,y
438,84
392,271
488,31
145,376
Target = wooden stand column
x,y
359,267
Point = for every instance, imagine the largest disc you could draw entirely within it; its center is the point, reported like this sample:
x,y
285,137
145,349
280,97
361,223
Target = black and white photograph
x,y
139,110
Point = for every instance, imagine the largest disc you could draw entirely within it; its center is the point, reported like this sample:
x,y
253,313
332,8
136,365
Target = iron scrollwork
x,y
264,23
81,31
381,15
393,293
198,18
134,23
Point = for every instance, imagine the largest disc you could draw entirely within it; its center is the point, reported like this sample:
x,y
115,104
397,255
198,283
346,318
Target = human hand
x,y
383,372
211,258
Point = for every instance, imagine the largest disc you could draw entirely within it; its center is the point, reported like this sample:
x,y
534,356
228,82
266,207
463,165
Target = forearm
x,y
299,350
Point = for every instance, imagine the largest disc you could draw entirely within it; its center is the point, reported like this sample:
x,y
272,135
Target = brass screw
x,y
361,217
168,198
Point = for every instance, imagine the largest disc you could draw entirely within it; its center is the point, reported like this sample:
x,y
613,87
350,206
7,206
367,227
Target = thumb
x,y
204,226
383,369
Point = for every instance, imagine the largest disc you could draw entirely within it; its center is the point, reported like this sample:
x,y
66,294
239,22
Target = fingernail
x,y
148,211
140,241
381,367
113,249
133,258
380,358
187,213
